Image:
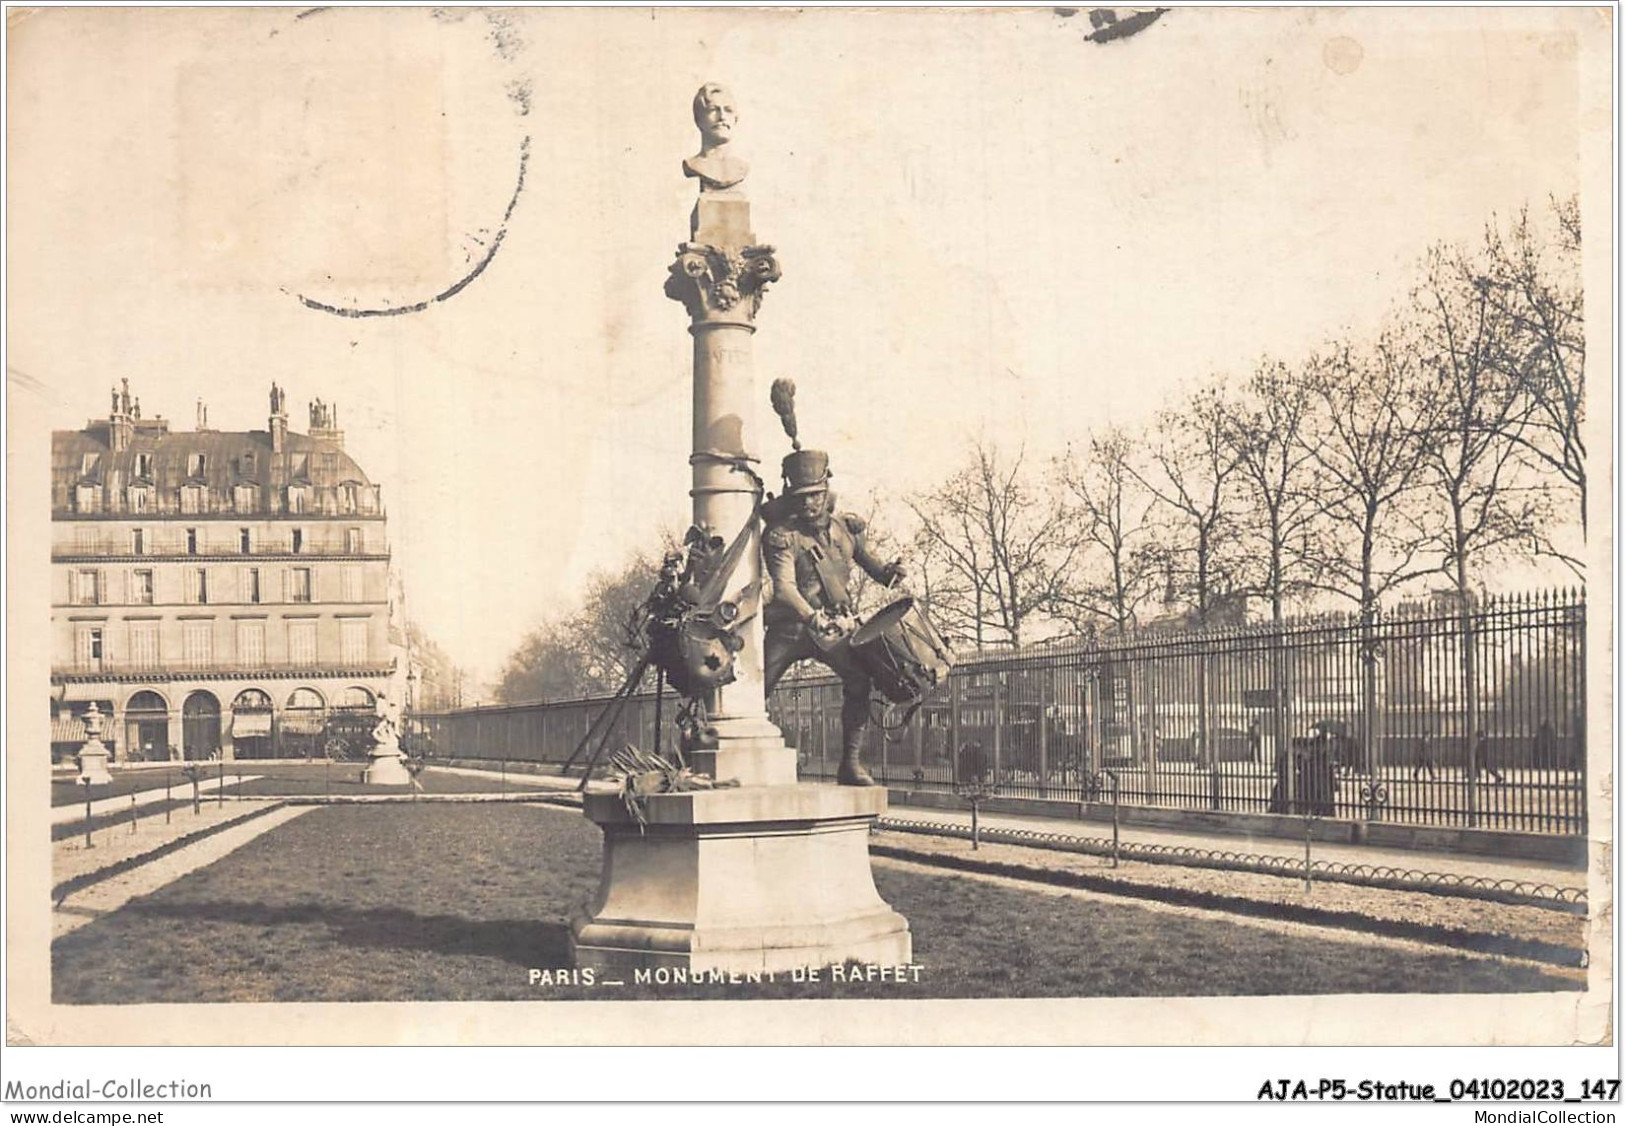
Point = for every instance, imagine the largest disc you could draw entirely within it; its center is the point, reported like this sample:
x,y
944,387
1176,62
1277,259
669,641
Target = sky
x,y
988,225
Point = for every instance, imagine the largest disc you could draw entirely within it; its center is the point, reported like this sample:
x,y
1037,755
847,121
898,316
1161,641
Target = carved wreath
x,y
719,277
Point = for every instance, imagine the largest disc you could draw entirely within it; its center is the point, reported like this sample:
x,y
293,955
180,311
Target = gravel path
x,y
109,895
1263,892
1459,863
1276,926
62,814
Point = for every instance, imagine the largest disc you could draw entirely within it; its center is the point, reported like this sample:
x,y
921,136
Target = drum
x,y
902,652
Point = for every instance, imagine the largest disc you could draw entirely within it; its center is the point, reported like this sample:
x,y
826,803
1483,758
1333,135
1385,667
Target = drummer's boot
x,y
854,718
851,772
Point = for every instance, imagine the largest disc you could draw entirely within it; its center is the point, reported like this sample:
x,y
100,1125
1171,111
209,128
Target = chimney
x,y
120,426
279,419
324,423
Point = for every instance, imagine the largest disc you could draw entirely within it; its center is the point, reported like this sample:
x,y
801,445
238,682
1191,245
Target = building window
x,y
347,498
353,641
243,497
251,584
195,466
198,639
191,499
88,647
298,499
299,584
144,645
302,642
191,541
84,541
197,585
141,588
140,499
299,467
143,466
88,498
352,583
251,643
138,541
245,541
245,465
352,540
298,540
87,464
87,588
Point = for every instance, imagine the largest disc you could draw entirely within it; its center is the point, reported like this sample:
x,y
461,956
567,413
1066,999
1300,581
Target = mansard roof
x,y
229,458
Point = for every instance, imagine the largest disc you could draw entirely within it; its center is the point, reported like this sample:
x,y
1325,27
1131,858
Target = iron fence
x,y
1449,716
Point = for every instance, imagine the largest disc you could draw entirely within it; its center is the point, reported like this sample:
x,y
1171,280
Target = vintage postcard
x,y
911,526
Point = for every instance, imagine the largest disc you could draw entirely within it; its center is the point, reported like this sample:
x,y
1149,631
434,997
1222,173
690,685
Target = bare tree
x,y
1478,408
1113,510
1533,283
1366,437
1269,429
587,652
999,545
1193,466
1191,471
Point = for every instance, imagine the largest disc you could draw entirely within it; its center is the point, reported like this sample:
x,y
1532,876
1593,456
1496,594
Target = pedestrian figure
x,y
1424,756
1255,742
1484,764
1545,746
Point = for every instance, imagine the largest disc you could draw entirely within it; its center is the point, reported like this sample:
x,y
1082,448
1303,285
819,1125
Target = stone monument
x,y
93,754
770,875
386,764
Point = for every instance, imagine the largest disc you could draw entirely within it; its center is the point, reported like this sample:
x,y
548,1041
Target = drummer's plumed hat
x,y
805,471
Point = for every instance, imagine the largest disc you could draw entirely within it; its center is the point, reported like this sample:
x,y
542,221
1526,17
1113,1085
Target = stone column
x,y
720,276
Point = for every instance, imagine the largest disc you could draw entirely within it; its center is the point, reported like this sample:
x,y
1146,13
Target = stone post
x,y
93,755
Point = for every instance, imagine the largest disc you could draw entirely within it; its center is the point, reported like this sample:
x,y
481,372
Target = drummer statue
x,y
809,551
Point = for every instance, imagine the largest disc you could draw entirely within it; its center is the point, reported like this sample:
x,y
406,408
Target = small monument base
x,y
93,758
757,879
387,770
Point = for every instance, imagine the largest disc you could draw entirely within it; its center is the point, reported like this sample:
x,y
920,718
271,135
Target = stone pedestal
x,y
93,758
757,879
387,769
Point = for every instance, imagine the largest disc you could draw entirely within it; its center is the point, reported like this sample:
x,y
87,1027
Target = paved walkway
x,y
513,778
1457,863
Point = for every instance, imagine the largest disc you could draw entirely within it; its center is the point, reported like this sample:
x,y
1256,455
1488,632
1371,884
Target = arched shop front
x,y
200,725
146,727
251,725
302,726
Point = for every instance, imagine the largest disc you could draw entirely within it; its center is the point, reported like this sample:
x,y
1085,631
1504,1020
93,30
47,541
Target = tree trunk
x,y
1469,677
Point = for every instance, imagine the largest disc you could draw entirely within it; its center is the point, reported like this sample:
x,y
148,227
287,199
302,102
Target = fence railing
x,y
1469,718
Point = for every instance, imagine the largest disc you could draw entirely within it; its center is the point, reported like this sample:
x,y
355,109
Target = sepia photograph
x,y
912,526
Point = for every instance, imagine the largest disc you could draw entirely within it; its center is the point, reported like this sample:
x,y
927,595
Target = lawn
x,y
458,902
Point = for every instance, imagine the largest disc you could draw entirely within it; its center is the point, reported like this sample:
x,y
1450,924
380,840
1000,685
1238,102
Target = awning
x,y
68,729
250,724
303,723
